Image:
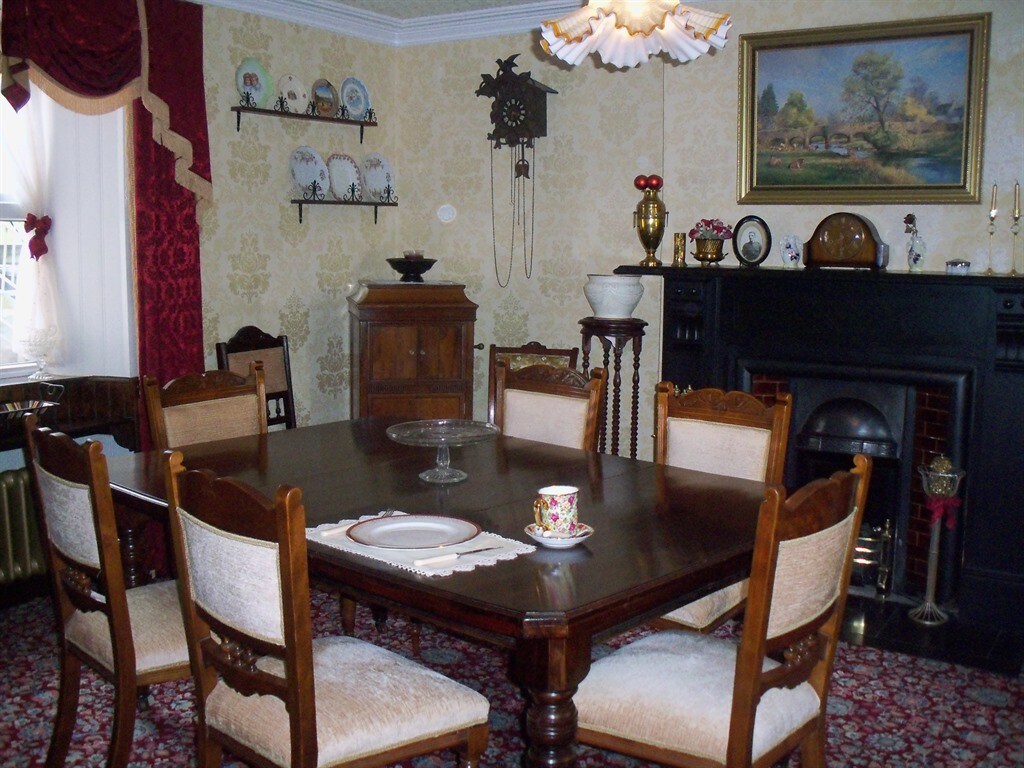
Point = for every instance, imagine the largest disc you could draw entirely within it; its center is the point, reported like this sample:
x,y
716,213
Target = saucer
x,y
558,540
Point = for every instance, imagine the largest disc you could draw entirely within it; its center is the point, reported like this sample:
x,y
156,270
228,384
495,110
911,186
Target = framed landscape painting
x,y
873,113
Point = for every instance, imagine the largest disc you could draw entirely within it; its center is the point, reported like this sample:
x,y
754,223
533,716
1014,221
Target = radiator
x,y
21,555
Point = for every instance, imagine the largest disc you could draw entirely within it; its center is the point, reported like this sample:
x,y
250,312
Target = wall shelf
x,y
301,203
301,116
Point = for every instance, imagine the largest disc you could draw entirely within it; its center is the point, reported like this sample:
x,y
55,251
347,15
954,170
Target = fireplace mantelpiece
x,y
721,325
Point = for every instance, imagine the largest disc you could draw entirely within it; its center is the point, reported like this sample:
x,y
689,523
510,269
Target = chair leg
x,y
473,747
125,703
348,616
67,709
209,752
812,750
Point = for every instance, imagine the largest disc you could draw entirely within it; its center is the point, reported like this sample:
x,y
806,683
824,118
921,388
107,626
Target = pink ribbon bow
x,y
943,505
37,243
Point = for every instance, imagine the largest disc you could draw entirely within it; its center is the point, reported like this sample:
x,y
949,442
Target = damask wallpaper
x,y
262,267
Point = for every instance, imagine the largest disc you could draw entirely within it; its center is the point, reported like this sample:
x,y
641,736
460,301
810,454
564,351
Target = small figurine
x,y
916,247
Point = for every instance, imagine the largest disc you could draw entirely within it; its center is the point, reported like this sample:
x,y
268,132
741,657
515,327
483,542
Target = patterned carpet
x,y
887,710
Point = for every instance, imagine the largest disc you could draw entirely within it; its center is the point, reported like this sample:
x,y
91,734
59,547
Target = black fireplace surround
x,y
724,326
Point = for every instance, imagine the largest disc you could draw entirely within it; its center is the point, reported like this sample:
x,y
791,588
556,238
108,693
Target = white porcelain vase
x,y
613,296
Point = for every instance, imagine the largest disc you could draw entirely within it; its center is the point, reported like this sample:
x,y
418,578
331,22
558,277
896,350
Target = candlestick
x,y
1016,200
992,208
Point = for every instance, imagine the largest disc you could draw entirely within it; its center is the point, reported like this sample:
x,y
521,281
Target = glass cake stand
x,y
442,434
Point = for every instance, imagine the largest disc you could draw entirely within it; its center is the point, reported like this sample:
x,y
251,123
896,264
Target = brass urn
x,y
709,250
649,218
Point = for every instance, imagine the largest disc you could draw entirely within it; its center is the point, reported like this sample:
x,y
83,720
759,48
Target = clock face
x,y
843,237
513,112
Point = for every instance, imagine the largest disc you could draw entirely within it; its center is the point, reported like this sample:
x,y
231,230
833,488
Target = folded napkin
x,y
427,562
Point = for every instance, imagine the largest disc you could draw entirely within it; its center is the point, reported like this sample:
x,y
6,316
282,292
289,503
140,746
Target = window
x,y
88,241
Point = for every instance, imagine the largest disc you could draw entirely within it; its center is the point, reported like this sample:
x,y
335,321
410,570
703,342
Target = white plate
x,y
377,175
558,540
413,532
251,78
355,98
307,166
345,172
294,92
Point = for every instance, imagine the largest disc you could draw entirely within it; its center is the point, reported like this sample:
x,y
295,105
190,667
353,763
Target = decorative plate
x,y
252,80
325,98
558,540
355,98
345,172
378,175
307,166
294,93
412,532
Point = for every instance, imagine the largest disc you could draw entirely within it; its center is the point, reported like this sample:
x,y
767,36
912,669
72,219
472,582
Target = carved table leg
x,y
550,671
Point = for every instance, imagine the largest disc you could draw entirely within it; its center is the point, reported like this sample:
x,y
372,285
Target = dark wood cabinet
x,y
412,350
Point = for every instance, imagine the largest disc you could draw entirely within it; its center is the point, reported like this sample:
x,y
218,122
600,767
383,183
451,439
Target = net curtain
x,y
93,56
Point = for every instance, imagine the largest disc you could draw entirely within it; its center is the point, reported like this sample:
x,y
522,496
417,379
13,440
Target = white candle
x,y
992,208
1016,200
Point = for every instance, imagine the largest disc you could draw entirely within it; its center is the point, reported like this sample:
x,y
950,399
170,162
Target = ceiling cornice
x,y
377,28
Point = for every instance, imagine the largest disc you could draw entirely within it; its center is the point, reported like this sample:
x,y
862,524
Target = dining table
x,y
662,536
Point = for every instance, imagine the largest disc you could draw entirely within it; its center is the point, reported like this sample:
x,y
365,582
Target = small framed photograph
x,y
751,240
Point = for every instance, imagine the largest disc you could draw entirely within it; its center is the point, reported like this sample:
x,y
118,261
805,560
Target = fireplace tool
x,y
940,481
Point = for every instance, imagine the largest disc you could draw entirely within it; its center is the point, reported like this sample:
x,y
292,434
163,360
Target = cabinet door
x,y
419,406
392,352
440,351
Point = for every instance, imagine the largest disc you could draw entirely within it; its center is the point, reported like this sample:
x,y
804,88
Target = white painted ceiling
x,y
409,22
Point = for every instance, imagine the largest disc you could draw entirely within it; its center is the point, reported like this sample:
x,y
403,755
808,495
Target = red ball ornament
x,y
654,182
640,182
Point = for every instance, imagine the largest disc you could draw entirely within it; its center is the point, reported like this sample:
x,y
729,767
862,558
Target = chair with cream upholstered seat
x,y
725,433
131,638
250,344
549,404
200,407
531,353
268,692
687,699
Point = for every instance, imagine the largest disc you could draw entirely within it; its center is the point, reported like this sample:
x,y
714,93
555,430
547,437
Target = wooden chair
x,y
548,404
333,701
247,346
726,433
199,407
531,353
131,638
687,699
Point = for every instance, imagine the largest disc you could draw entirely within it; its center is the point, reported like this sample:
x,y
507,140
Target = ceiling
x,y
409,22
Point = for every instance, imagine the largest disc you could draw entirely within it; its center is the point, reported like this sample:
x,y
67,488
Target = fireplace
x,y
927,363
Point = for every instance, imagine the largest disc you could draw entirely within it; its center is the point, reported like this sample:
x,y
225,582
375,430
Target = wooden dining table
x,y
662,537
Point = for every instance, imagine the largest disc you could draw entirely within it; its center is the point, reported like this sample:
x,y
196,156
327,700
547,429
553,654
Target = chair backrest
x,y
76,521
799,578
727,433
247,346
199,407
531,353
244,585
549,404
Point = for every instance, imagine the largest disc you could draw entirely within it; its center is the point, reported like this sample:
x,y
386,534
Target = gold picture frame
x,y
824,136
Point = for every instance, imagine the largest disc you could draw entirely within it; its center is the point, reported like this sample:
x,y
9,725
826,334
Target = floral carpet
x,y
886,710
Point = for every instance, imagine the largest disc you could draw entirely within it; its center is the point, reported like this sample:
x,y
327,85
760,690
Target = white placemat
x,y
498,548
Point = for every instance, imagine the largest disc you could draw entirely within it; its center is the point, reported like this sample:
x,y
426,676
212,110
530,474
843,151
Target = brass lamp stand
x,y
941,482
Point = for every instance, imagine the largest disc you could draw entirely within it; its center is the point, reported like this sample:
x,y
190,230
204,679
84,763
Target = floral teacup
x,y
555,509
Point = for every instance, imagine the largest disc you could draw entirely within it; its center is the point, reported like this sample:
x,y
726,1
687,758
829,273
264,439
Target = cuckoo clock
x,y
519,117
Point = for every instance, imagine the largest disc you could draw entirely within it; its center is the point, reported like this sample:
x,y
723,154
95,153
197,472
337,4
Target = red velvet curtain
x,y
99,48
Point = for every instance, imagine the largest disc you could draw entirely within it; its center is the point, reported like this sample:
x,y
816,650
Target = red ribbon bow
x,y
37,243
943,505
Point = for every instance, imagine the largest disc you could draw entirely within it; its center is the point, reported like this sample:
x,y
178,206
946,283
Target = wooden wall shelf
x,y
375,206
300,116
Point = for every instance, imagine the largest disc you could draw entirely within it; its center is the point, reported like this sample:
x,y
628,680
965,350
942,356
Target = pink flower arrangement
x,y
714,229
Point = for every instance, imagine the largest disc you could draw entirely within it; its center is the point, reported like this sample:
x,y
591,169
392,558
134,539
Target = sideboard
x,y
726,327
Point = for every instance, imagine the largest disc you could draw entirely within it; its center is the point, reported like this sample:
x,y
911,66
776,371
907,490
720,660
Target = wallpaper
x,y
262,267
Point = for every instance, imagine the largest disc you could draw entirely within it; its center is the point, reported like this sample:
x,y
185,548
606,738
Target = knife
x,y
438,559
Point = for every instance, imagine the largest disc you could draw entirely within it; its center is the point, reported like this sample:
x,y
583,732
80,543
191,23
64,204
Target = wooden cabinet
x,y
412,350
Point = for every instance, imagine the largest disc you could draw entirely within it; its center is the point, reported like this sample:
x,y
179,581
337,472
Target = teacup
x,y
555,509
